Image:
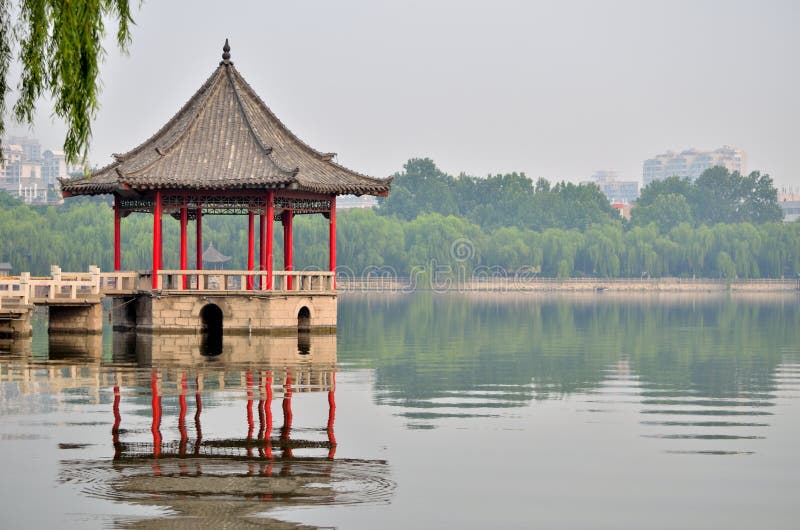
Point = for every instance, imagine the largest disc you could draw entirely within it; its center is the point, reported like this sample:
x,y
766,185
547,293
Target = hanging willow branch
x,y
60,53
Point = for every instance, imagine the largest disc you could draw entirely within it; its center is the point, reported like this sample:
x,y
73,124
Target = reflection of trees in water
x,y
518,347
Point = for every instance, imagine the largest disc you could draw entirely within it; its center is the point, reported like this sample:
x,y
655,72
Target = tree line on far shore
x,y
720,226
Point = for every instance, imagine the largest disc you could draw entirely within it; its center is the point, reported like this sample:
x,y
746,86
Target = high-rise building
x,y
54,166
617,191
692,162
31,148
790,205
29,174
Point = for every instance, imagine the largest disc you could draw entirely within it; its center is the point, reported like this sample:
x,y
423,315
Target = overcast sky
x,y
556,89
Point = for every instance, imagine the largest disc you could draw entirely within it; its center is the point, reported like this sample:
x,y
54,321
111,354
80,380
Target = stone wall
x,y
15,324
242,314
75,319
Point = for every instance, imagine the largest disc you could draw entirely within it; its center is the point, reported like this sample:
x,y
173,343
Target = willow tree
x,y
58,46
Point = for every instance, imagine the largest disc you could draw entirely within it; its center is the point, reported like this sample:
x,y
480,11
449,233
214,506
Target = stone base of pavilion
x,y
227,303
256,312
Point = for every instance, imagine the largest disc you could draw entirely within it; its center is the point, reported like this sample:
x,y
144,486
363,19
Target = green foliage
x,y
495,201
658,242
60,52
717,196
667,186
666,211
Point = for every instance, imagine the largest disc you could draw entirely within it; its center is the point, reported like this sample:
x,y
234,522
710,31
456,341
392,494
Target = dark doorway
x,y
304,319
211,329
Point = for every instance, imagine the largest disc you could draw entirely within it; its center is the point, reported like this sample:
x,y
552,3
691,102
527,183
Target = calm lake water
x,y
425,411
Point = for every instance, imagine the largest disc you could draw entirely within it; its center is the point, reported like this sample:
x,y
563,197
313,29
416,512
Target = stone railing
x,y
15,291
241,280
24,289
127,281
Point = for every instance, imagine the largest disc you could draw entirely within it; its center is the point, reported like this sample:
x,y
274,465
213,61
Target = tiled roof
x,y
225,137
212,255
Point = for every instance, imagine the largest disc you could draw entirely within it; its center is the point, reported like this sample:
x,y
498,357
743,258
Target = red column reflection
x,y
332,416
182,417
287,414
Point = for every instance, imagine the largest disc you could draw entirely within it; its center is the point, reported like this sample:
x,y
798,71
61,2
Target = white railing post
x,y
55,273
25,287
94,277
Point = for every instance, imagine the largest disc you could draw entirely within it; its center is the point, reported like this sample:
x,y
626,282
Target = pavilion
x,y
214,258
225,153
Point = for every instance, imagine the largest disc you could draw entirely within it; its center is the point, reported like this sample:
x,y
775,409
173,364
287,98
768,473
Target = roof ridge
x,y
261,102
324,157
171,121
267,149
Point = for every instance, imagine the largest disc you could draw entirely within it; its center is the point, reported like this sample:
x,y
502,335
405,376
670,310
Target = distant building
x,y
30,175
692,162
624,209
790,204
5,269
54,166
348,202
31,148
617,191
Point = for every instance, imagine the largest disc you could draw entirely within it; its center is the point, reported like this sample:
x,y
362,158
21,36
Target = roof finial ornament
x,y
226,53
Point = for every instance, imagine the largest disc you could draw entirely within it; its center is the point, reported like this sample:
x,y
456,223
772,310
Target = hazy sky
x,y
555,89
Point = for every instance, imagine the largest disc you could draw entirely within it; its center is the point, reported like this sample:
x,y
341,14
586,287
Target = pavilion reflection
x,y
209,482
189,349
259,392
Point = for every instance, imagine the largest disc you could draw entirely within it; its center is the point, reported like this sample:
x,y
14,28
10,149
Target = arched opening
x,y
304,319
211,329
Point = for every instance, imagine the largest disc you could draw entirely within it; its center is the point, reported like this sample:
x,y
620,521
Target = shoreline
x,y
571,285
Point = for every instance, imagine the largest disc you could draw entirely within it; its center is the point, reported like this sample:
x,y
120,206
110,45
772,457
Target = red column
x,y
270,215
288,216
332,238
251,233
184,222
117,236
262,245
156,238
199,218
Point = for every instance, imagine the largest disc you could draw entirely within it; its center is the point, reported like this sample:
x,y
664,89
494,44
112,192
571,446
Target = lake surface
x,y
425,411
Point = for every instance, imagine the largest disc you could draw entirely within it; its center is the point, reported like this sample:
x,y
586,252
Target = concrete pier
x,y
83,318
15,322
